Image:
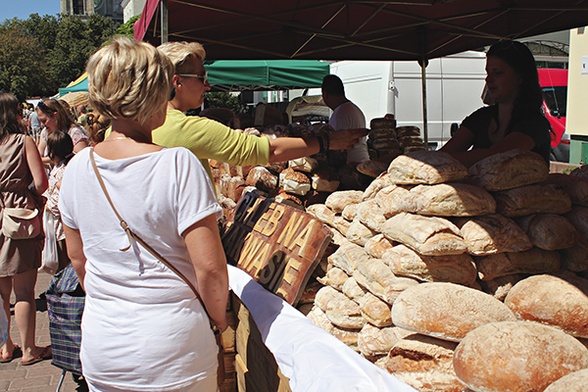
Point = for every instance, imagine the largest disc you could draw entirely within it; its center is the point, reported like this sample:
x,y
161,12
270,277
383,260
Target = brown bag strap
x,y
132,235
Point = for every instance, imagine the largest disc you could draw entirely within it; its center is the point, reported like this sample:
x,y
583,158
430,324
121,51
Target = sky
x,y
21,9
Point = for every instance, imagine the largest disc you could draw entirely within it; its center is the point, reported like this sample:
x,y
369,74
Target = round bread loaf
x,y
573,382
516,356
552,300
382,122
446,310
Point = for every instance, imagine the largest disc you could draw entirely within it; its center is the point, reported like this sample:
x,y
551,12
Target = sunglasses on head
x,y
201,77
45,108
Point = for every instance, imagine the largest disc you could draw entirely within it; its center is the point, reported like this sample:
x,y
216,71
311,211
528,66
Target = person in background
x,y
20,167
34,126
224,116
143,328
60,147
515,119
96,127
82,114
346,115
208,139
53,116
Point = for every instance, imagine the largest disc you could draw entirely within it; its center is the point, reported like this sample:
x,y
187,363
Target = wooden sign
x,y
278,245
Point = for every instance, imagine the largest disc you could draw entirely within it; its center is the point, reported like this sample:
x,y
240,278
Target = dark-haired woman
x,y
60,147
22,181
515,119
53,116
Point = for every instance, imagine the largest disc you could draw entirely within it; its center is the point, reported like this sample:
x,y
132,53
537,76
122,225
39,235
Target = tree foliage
x,y
127,28
40,54
222,100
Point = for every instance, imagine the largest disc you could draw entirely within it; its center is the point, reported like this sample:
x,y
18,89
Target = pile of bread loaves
x,y
455,279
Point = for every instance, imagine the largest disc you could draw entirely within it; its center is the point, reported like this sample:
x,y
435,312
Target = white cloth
x,y
52,195
349,116
311,358
142,328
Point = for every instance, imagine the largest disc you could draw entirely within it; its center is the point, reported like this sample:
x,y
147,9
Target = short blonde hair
x,y
128,79
180,52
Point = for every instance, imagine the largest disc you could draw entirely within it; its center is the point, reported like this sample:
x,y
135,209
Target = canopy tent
x,y
80,84
265,74
351,29
248,75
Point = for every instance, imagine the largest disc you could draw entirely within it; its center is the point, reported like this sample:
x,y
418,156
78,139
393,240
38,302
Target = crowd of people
x,y
146,176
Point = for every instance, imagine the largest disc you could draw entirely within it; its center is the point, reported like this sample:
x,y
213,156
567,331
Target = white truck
x,y
454,89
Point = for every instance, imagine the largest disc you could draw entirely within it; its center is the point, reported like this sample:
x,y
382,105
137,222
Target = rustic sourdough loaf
x,y
454,199
446,310
572,382
490,234
516,356
548,231
532,261
377,245
532,199
340,310
552,300
426,167
509,170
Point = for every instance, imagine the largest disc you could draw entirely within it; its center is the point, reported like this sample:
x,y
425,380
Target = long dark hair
x,y
9,110
520,58
60,144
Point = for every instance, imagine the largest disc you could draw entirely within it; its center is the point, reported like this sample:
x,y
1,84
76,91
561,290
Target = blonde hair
x,y
128,79
180,52
96,127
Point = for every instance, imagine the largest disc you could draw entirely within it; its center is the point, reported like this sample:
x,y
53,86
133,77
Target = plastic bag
x,y
3,325
49,257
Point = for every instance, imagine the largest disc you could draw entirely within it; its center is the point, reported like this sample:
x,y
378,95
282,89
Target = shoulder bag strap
x,y
132,235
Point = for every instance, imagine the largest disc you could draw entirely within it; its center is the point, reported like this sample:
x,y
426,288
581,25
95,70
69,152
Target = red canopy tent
x,y
351,29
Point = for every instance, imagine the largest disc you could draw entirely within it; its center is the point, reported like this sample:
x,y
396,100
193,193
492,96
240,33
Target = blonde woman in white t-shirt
x,y
143,328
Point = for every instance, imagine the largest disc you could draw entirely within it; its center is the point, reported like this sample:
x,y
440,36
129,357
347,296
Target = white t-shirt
x,y
349,116
142,328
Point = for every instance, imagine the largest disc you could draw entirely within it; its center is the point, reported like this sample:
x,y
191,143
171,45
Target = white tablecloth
x,y
310,357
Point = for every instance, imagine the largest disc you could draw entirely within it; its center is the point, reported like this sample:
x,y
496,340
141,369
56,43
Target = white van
x,y
454,88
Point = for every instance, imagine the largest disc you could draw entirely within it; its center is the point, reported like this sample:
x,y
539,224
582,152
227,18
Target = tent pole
x,y
164,21
423,64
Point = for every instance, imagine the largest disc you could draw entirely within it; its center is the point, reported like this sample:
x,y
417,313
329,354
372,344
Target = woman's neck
x,y
129,129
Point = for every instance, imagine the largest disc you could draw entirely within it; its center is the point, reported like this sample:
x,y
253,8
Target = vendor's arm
x,y
459,144
210,265
75,251
287,148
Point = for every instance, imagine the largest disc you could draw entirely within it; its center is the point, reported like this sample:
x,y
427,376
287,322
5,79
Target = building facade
x,y
108,8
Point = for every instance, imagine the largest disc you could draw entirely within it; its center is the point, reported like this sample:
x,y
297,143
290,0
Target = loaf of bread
x,y
499,287
446,311
320,319
548,231
394,199
349,212
322,213
335,277
377,245
306,164
490,234
294,182
572,259
382,181
404,261
375,311
262,178
370,214
325,180
426,167
378,279
348,256
340,310
358,233
576,187
353,291
232,187
578,217
387,122
517,356
455,199
532,261
572,382
532,199
372,168
341,224
552,300
290,200
509,170
408,130
337,201
424,363
374,342
428,235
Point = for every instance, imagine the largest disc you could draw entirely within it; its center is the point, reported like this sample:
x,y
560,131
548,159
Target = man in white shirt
x,y
346,115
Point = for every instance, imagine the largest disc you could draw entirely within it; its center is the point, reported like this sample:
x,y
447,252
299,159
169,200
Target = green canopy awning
x,y
239,75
